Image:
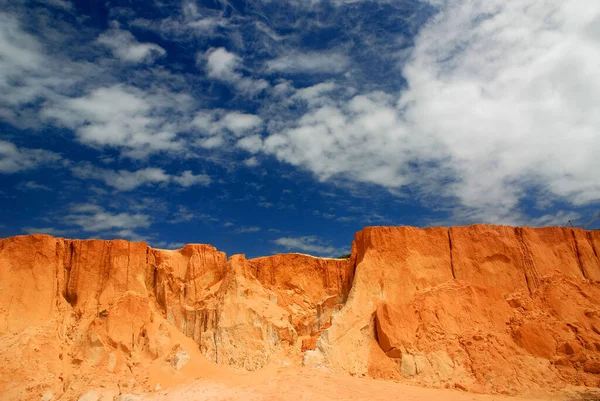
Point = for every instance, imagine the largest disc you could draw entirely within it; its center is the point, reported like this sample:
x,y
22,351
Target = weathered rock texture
x,y
482,308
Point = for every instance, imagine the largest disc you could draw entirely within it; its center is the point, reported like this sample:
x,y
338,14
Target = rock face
x,y
499,309
481,308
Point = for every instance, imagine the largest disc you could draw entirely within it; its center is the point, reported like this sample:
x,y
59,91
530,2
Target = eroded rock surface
x,y
479,308
485,308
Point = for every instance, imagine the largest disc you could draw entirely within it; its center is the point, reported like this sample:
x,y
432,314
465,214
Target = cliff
x,y
481,308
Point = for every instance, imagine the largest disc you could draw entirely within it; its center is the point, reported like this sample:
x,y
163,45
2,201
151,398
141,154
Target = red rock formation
x,y
308,288
489,255
482,308
496,309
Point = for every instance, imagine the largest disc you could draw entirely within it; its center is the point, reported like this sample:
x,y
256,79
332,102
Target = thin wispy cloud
x,y
247,230
14,159
308,244
32,186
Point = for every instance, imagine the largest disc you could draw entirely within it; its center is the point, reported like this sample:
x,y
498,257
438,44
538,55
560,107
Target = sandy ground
x,y
284,383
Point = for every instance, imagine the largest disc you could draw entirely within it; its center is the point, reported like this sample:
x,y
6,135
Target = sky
x,y
273,126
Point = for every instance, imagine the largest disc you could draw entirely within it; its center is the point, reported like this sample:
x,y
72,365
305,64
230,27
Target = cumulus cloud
x,y
97,222
241,123
188,179
509,89
94,218
251,162
41,87
222,64
19,49
14,159
225,66
362,139
495,104
501,106
252,143
126,47
125,117
214,122
26,75
219,127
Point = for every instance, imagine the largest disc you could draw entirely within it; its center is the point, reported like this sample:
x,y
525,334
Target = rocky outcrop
x,y
482,308
486,308
105,305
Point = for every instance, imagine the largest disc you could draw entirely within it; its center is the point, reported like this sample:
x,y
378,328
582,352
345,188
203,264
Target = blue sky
x,y
273,126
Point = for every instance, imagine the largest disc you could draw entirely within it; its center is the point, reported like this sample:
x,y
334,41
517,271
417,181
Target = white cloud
x,y
560,218
185,214
241,123
124,117
312,62
212,122
252,143
167,245
362,139
125,46
501,105
221,64
225,66
46,230
39,88
32,186
188,179
25,73
509,90
251,162
124,180
14,159
190,21
219,127
310,244
17,48
316,95
94,218
63,4
246,230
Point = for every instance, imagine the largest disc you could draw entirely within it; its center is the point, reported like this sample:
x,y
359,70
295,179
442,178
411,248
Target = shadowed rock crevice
x,y
451,256
588,234
530,272
577,253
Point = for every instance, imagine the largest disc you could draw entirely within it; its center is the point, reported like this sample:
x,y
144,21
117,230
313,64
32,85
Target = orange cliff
x,y
481,308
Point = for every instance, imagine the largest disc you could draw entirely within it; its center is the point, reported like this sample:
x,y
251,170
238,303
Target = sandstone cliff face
x,y
486,308
105,305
